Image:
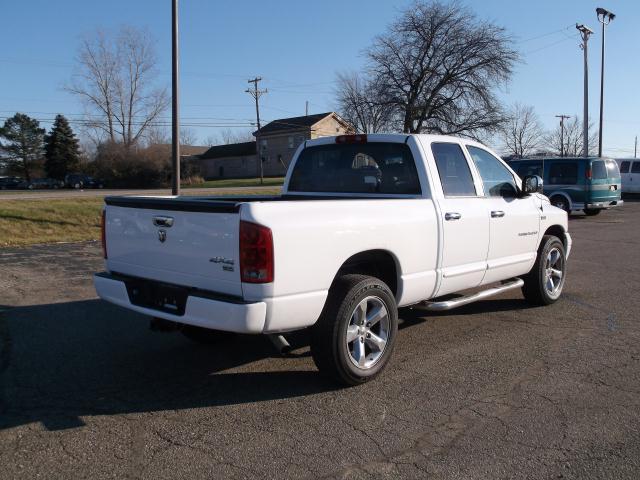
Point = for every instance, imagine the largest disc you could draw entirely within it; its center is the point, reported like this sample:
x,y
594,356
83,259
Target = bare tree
x,y
116,83
437,66
188,136
227,136
359,103
571,138
522,133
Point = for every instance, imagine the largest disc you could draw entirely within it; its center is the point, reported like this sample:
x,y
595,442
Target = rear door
x,y
179,242
465,223
605,181
514,221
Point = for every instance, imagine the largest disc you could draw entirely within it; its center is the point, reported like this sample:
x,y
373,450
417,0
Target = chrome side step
x,y
458,302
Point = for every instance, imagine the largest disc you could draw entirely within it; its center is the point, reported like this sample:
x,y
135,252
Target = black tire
x,y
592,211
205,336
536,287
329,348
561,202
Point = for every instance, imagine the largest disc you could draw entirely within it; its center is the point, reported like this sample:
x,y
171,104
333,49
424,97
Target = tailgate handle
x,y
161,221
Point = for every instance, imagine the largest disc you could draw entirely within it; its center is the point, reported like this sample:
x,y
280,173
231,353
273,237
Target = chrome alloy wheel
x,y
367,332
554,272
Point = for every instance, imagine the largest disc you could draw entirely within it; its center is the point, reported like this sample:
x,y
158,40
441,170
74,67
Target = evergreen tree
x,y
61,150
23,144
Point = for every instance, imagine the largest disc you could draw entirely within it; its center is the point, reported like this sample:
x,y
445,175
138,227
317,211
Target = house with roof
x,y
275,144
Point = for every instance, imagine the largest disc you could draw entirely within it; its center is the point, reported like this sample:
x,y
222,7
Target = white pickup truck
x,y
365,224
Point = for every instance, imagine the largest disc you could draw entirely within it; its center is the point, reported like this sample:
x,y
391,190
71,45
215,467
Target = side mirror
x,y
532,184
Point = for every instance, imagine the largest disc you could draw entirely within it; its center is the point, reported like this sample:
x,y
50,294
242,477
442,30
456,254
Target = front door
x,y
465,224
514,221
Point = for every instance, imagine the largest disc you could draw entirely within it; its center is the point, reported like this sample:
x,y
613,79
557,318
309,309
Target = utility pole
x,y
306,108
584,33
604,17
562,118
635,148
256,94
175,120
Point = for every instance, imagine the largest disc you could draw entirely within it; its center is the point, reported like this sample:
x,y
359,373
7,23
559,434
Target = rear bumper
x,y
199,311
605,204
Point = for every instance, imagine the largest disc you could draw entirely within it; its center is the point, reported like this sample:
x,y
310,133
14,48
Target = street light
x,y
604,17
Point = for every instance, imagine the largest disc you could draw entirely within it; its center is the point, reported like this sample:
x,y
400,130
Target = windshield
x,y
376,167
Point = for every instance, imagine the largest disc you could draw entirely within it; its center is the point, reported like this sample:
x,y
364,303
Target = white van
x,y
630,173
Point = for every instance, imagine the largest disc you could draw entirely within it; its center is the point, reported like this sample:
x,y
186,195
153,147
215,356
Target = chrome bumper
x,y
199,311
616,203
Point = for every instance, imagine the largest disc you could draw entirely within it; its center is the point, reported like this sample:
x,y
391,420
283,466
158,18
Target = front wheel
x,y
353,339
592,211
543,284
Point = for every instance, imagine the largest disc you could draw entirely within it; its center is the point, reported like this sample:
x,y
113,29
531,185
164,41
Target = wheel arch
x,y
559,193
557,231
377,263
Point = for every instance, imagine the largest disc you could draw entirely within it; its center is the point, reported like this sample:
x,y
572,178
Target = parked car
x,y
79,180
41,183
10,183
365,224
590,184
630,174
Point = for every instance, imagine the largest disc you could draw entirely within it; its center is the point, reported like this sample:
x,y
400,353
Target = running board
x,y
459,302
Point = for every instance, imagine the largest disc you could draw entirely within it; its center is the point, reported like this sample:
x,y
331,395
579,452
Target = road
x,y
64,193
497,389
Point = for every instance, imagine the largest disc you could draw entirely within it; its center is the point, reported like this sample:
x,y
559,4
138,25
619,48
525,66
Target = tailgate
x,y
184,242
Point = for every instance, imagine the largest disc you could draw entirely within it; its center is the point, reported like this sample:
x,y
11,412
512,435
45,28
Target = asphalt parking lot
x,y
496,389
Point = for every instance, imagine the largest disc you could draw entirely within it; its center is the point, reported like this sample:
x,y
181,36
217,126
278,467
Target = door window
x,y
497,179
563,173
453,169
636,167
624,167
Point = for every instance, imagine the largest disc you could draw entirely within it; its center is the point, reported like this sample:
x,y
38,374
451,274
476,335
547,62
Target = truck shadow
x,y
60,362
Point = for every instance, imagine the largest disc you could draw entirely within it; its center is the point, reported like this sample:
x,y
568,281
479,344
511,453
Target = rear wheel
x,y
561,202
354,337
543,284
592,211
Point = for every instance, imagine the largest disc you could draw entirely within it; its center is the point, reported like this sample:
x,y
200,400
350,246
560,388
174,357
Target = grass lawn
x,y
237,182
26,222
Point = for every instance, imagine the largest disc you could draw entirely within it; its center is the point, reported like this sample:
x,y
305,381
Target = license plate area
x,y
157,296
613,187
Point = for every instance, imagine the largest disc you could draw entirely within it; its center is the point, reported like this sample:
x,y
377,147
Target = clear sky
x,y
298,46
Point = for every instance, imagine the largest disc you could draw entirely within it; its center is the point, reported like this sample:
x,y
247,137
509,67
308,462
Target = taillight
x,y
587,173
256,253
361,138
103,235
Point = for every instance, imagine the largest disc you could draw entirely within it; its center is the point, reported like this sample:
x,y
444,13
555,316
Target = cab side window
x,y
624,167
497,179
453,169
636,167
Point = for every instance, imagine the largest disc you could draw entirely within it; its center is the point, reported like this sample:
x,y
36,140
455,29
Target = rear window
x,y
598,170
636,167
612,169
377,167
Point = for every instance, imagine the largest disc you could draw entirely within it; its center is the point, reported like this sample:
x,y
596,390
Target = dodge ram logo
x,y
162,235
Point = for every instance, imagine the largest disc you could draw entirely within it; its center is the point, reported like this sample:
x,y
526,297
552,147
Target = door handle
x,y
452,216
497,214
